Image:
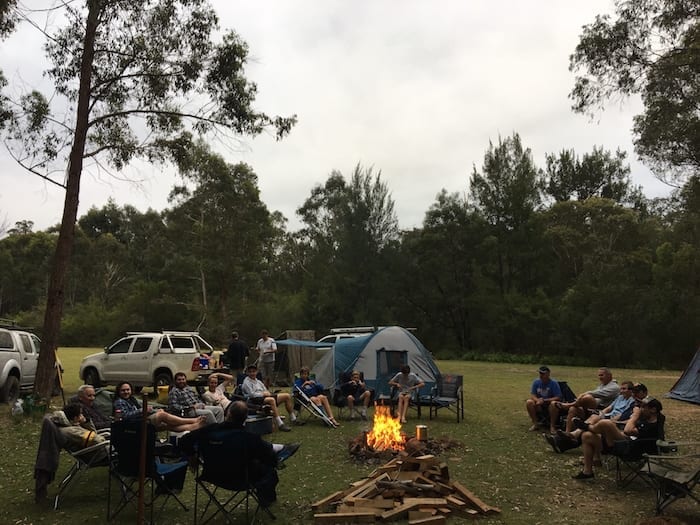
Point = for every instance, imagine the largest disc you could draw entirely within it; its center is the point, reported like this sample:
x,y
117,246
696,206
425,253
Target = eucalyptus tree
x,y
351,230
595,174
130,79
651,48
507,192
223,235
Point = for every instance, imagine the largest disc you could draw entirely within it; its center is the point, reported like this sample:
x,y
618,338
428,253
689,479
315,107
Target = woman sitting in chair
x,y
405,382
162,420
314,391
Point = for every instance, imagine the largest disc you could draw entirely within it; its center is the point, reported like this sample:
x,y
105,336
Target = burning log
x,y
418,488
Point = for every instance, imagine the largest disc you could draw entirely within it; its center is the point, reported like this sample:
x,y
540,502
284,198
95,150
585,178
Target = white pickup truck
x,y
19,354
149,359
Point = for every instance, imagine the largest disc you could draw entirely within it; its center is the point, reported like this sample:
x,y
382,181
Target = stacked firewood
x,y
417,488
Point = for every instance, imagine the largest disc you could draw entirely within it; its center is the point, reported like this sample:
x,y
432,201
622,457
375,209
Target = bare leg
x,y
351,406
592,445
531,407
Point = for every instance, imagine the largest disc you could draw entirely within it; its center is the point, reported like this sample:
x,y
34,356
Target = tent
x,y
295,348
378,356
687,388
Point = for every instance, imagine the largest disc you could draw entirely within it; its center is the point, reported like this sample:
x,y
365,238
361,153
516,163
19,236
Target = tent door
x,y
389,363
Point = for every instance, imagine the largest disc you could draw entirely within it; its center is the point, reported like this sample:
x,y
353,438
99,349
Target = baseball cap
x,y
543,369
639,387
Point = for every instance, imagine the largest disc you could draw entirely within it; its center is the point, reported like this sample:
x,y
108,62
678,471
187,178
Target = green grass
x,y
501,462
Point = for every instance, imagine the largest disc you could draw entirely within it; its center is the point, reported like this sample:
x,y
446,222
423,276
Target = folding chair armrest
x,y
91,448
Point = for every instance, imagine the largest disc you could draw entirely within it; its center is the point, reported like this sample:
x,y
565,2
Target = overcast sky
x,y
414,89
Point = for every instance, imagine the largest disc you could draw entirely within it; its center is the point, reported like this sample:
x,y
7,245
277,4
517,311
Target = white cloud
x,y
415,89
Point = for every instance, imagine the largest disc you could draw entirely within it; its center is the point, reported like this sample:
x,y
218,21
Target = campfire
x,y
386,432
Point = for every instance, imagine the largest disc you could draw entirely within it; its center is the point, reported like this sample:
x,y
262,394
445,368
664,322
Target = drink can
x,y
117,415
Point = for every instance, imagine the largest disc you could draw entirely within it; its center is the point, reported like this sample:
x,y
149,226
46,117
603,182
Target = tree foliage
x,y
138,79
651,48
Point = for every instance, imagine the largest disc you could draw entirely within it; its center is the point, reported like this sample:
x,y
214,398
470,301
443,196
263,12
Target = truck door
x,y
137,365
29,356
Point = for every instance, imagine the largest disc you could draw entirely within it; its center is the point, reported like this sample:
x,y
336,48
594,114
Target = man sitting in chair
x,y
314,391
647,424
596,399
77,432
406,382
254,389
86,398
216,392
356,392
262,457
543,392
183,402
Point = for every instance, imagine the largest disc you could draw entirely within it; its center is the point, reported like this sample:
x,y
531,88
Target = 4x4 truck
x,y
19,354
148,359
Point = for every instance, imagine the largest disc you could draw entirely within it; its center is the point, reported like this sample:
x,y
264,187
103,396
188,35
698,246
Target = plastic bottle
x,y
118,415
17,409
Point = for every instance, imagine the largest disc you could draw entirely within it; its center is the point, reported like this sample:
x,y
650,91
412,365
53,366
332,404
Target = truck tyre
x,y
92,378
10,391
162,379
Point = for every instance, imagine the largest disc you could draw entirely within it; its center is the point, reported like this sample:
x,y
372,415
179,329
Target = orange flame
x,y
386,431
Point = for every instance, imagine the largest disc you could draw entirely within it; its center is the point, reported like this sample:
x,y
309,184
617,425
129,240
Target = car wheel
x,y
10,391
162,379
92,377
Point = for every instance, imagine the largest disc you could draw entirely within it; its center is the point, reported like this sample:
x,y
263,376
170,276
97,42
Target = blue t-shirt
x,y
620,405
545,391
310,390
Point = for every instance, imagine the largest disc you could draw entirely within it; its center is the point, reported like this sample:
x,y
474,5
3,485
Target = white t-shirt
x,y
266,348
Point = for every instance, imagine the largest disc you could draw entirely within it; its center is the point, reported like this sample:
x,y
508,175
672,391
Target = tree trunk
x,y
46,373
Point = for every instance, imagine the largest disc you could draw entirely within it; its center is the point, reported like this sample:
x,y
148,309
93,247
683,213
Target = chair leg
x,y
65,482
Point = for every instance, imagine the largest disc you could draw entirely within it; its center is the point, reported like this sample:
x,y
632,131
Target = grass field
x,y
500,461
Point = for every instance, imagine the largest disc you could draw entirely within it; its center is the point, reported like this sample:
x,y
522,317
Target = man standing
x,y
543,392
235,357
267,348
183,402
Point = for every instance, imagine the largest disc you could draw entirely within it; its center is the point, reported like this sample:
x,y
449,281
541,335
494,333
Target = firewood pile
x,y
415,488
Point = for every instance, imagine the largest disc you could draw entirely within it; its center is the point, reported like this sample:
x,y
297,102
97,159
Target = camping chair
x,y
447,393
340,392
222,464
301,399
161,478
630,457
567,396
83,459
674,472
255,405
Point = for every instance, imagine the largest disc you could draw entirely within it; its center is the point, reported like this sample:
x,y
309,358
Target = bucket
x,y
162,395
421,433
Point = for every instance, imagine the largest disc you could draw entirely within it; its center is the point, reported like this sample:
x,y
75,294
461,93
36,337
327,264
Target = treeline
x,y
567,263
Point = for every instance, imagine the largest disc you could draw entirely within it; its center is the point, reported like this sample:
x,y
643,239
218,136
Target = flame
x,y
386,431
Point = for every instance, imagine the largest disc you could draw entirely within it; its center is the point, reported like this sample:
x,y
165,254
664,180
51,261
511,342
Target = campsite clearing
x,y
508,467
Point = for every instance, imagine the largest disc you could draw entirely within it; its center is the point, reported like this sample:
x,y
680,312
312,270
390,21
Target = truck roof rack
x,y
354,330
164,332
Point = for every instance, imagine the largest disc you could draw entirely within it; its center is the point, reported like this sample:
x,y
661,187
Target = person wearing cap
x,y
544,390
645,426
597,399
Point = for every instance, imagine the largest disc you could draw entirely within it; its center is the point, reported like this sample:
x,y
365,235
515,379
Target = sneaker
x,y
580,423
582,475
298,422
364,416
552,440
284,428
287,451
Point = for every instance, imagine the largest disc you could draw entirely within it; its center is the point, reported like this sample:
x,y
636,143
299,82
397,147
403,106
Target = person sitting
x,y
314,392
598,398
261,458
619,411
77,432
544,390
216,392
86,398
255,390
130,408
405,382
647,424
356,392
183,401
